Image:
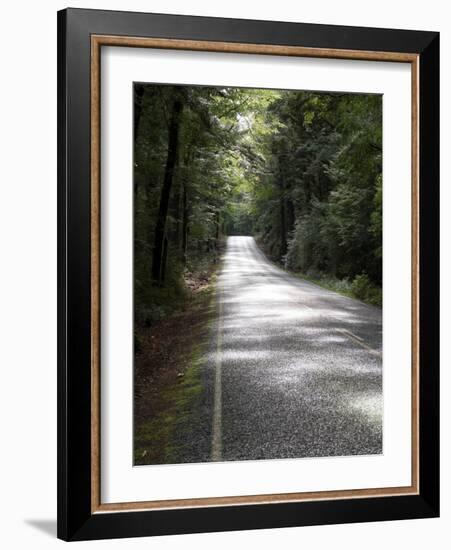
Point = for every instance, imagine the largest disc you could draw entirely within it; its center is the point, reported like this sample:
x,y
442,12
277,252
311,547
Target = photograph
x,y
248,272
257,274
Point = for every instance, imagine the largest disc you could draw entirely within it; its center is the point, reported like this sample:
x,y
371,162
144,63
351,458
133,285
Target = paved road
x,y
294,370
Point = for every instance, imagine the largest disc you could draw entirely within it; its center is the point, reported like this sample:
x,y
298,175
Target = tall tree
x,y
159,251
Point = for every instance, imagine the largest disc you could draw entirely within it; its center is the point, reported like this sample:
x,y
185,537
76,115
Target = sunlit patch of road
x,y
293,370
301,367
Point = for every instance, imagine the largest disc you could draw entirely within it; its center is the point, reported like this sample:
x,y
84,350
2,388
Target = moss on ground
x,y
180,387
154,437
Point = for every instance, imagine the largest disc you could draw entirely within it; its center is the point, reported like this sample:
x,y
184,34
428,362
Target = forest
x,y
301,171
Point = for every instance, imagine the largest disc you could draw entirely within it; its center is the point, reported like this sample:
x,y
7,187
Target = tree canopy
x,y
299,170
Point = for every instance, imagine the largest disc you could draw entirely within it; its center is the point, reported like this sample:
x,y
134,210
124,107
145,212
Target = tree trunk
x,y
185,222
139,93
158,260
217,234
178,215
218,227
137,110
163,263
290,218
283,213
283,225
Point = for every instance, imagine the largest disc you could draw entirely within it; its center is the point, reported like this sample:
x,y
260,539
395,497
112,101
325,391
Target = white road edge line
x,y
216,440
352,334
359,341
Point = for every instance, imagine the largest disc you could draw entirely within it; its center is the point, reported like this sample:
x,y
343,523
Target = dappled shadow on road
x,y
301,366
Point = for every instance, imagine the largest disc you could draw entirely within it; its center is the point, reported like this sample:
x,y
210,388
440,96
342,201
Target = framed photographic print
x,y
248,274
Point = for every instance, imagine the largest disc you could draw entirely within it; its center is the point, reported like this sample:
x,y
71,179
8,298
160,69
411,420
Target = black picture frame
x,y
75,518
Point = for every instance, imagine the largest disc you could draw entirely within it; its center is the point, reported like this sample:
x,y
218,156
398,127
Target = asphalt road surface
x,y
294,370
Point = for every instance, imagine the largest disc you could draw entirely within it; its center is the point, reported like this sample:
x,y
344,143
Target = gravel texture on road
x,y
293,370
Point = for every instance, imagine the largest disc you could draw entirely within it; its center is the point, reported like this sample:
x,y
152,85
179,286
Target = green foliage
x,y
300,170
362,289
318,209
